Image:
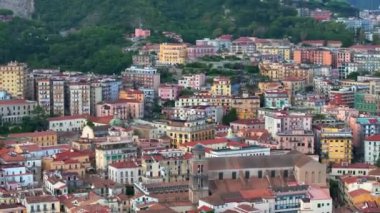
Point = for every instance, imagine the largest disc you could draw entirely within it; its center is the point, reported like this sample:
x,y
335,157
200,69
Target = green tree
x,y
90,123
230,117
353,76
186,92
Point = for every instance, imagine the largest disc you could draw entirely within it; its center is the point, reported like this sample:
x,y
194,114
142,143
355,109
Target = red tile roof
x,y
125,164
248,121
32,134
358,192
353,166
41,199
207,142
72,154
101,120
373,138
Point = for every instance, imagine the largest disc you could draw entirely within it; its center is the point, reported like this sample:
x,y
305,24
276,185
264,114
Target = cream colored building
x,y
13,79
221,86
12,111
172,53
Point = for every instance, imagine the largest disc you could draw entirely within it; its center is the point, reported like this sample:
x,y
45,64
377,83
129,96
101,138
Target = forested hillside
x,y
88,35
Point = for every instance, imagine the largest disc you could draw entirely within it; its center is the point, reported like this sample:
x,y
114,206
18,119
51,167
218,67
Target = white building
x,y
211,113
14,176
54,185
12,111
79,98
193,81
67,123
234,151
355,169
126,172
372,149
318,201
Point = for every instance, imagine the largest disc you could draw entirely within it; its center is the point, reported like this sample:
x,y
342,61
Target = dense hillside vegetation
x,y
88,35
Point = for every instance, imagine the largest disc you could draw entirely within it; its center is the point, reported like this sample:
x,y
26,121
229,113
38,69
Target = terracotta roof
x,y
41,199
72,154
125,164
373,138
358,192
32,134
349,179
353,166
256,193
207,142
248,121
101,120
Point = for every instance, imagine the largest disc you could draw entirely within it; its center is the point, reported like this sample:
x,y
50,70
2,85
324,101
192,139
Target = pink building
x,y
243,45
195,52
193,81
300,140
341,57
247,124
169,91
321,15
363,127
122,109
142,33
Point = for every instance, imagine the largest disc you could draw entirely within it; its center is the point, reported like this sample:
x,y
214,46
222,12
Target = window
x,y
246,174
319,205
260,174
220,175
233,175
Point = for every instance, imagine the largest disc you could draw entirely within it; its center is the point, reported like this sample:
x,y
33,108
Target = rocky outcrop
x,y
21,8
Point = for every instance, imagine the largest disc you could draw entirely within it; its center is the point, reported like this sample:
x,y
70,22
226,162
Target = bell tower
x,y
198,184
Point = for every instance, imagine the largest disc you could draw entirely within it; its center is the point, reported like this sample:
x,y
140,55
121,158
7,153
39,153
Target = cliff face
x,y
21,8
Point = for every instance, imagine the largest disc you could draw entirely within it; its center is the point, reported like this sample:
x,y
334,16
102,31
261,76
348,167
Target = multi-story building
x,y
78,98
277,122
45,203
276,99
300,140
193,81
246,106
212,114
131,94
224,101
294,86
284,51
96,96
111,151
342,97
363,127
279,71
43,139
172,53
169,165
221,86
122,109
146,77
372,149
183,131
144,60
12,111
142,33
169,91
43,95
336,145
367,103
13,79
14,176
354,169
368,62
110,89
73,123
124,172
313,56
244,46
57,94
341,57
198,51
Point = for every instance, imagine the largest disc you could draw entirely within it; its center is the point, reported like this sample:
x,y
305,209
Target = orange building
x,y
131,94
69,161
45,138
313,56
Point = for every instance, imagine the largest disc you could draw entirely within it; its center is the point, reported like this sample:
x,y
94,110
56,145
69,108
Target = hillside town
x,y
228,124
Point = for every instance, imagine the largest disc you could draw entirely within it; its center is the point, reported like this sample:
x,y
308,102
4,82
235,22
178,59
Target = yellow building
x,y
13,79
336,145
181,132
172,53
46,138
221,86
284,51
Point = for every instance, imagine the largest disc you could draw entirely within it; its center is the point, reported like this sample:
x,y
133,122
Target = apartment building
x,y
196,81
313,56
12,111
372,149
145,77
78,98
336,145
172,53
122,109
43,139
221,86
13,79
